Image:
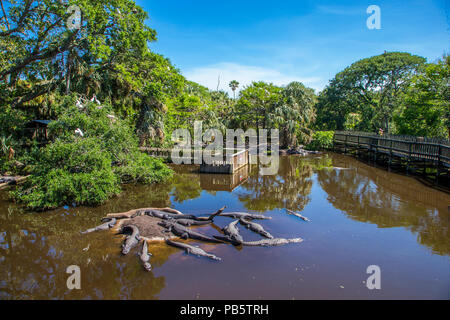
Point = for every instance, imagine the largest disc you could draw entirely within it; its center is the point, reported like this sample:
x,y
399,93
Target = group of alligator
x,y
177,223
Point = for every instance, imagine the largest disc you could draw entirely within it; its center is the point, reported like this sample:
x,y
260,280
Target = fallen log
x,y
13,181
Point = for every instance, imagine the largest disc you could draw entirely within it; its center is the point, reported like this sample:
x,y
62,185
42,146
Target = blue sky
x,y
282,41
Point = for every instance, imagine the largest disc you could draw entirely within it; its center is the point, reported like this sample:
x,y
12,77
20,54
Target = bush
x,y
87,169
321,140
70,173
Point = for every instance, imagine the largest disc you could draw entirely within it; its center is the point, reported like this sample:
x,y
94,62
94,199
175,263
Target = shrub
x,y
87,168
321,140
78,172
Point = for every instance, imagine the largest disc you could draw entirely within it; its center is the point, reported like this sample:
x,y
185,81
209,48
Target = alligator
x,y
208,219
166,215
190,222
256,228
105,226
231,234
238,215
195,250
184,232
297,215
158,214
132,240
138,212
272,242
144,256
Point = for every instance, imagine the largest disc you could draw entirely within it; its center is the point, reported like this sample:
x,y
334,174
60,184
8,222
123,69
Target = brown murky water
x,y
360,216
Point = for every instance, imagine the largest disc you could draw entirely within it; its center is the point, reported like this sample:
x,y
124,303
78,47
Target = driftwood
x,y
297,215
13,181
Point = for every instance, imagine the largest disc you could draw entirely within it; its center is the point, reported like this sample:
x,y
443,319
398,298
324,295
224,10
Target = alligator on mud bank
x,y
163,224
144,256
231,234
195,250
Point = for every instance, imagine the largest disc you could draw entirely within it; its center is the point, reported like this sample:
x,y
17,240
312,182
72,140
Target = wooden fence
x,y
230,159
411,148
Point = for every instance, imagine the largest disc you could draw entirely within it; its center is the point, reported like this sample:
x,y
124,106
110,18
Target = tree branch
x,y
40,56
4,14
36,93
21,20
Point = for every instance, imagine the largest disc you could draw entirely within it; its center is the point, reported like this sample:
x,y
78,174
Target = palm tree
x,y
295,114
234,85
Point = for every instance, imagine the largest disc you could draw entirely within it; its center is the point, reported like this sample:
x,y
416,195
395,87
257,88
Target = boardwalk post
x,y
390,155
409,158
376,150
357,148
345,144
438,171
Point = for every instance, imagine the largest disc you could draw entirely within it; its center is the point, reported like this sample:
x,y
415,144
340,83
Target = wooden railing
x,y
416,148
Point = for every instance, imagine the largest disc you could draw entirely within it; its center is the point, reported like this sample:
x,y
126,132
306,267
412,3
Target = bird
x,y
79,104
79,132
94,99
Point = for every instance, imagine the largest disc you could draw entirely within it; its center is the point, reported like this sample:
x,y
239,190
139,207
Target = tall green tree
x,y
46,50
234,85
427,102
256,104
371,87
295,114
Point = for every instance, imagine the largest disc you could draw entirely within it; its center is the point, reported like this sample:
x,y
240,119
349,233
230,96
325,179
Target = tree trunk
x,y
68,64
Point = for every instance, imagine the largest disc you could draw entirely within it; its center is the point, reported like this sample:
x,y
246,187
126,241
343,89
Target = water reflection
x,y
389,200
36,248
290,188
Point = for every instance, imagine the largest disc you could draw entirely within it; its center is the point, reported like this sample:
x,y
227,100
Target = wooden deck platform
x,y
226,165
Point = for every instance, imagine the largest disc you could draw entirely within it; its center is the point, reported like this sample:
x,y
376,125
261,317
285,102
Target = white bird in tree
x,y
79,104
79,132
94,99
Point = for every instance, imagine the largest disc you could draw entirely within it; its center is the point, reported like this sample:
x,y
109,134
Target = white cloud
x,y
245,75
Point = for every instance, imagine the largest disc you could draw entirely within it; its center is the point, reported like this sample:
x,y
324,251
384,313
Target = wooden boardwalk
x,y
416,154
409,148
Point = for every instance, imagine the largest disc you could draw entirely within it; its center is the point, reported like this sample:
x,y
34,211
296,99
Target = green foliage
x,y
426,103
289,109
141,168
352,121
295,114
5,144
321,140
79,172
88,169
371,87
49,56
